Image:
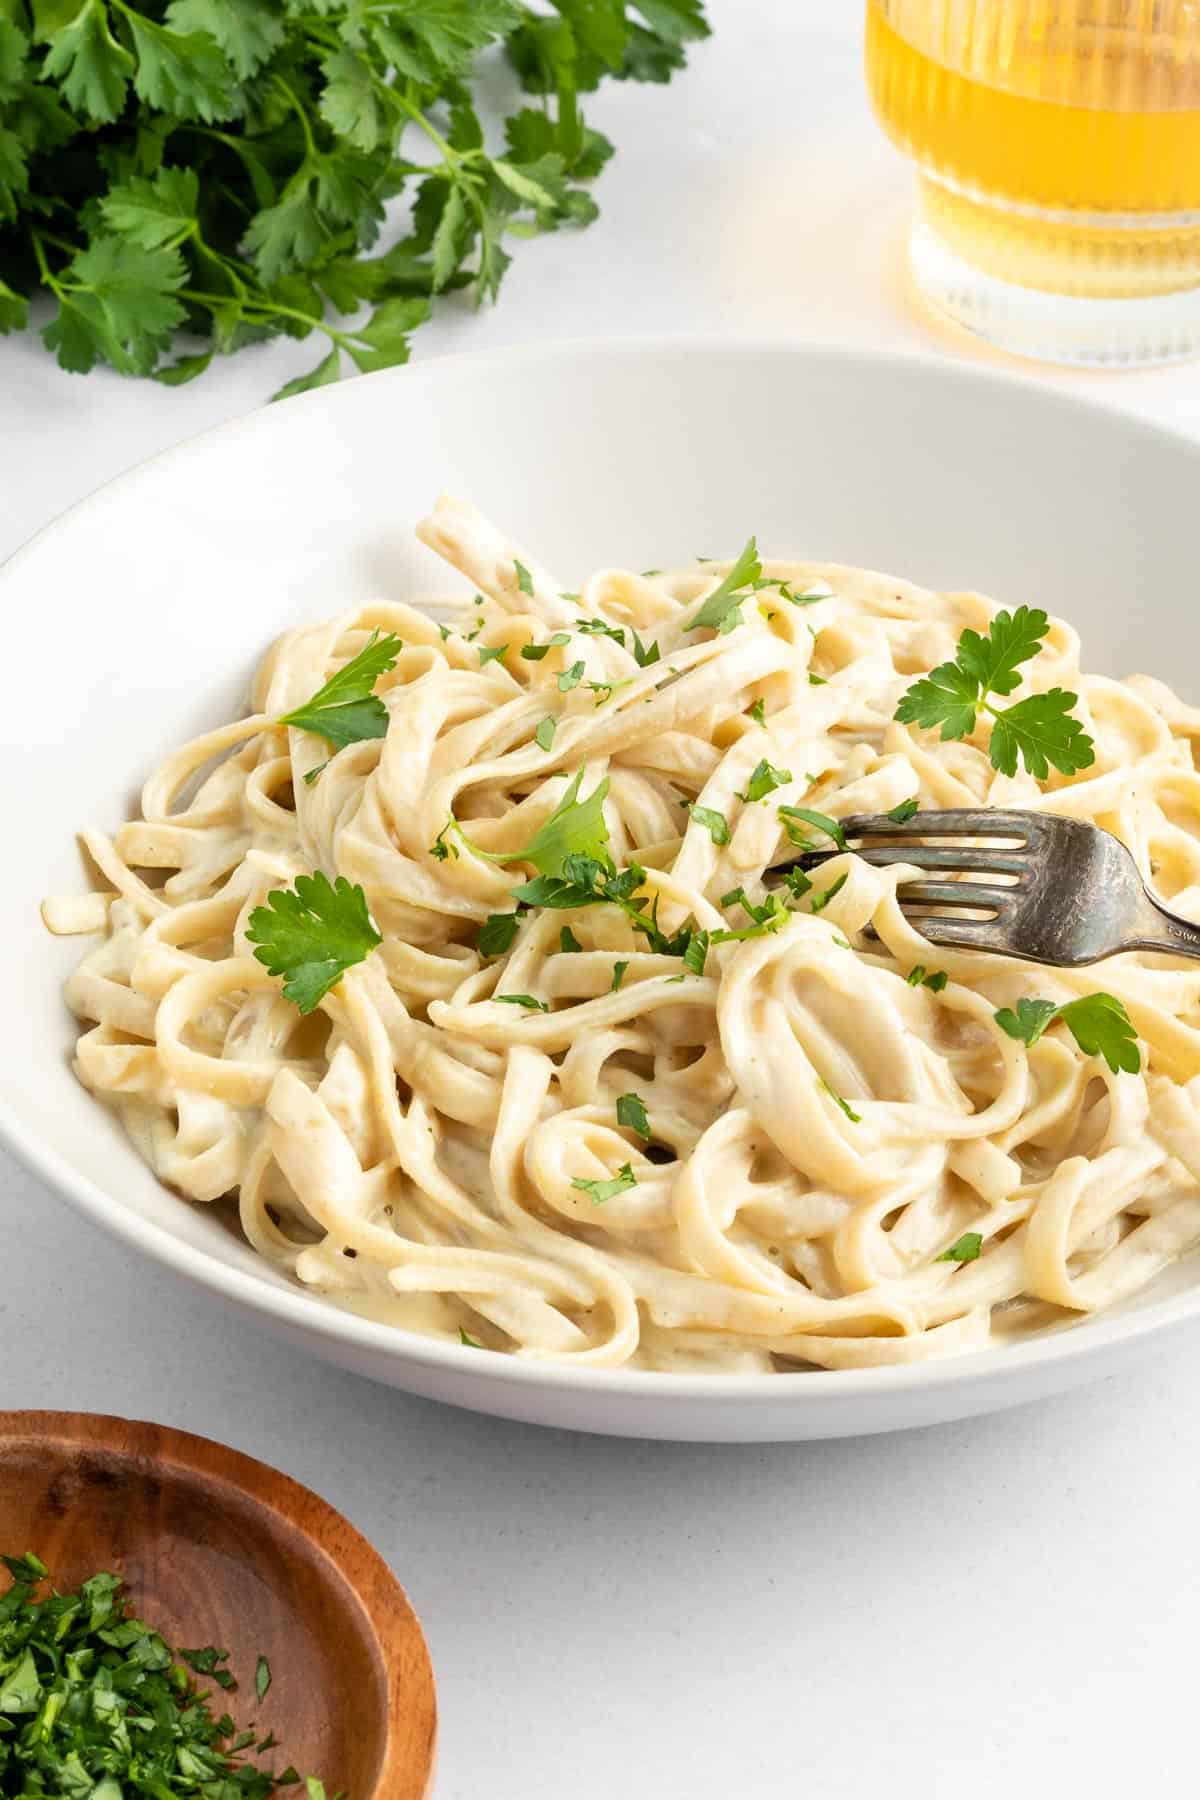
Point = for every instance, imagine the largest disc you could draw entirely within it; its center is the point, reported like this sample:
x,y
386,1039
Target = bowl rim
x,y
308,1313
365,1573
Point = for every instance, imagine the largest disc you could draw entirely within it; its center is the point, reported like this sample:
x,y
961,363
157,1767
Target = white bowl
x,y
136,620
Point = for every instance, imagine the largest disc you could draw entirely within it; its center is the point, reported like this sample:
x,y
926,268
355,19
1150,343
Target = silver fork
x,y
1077,895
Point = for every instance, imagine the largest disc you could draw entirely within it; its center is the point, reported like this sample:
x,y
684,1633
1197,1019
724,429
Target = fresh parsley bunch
x,y
217,170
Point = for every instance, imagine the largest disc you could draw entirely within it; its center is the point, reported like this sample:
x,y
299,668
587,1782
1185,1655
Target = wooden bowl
x,y
219,1549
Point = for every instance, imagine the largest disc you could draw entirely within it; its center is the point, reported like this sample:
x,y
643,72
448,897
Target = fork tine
x,y
967,821
923,856
977,894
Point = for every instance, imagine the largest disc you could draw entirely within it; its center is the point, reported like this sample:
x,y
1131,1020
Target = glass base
x,y
1082,331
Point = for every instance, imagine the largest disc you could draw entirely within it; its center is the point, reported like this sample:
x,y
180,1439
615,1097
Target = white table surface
x,y
988,1609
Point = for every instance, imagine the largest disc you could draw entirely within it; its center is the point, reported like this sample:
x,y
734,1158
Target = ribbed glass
x,y
1059,148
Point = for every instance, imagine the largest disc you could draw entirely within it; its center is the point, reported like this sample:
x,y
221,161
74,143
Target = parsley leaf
x,y
907,809
570,678
715,823
821,820
1038,730
764,781
966,1249
487,654
346,711
262,1677
618,976
535,652
467,1340
567,941
757,713
1041,731
311,934
644,654
601,1191
696,954
631,1111
822,896
443,846
544,735
525,1000
1099,1024
722,609
601,628
917,977
524,578
766,918
575,828
994,661
498,933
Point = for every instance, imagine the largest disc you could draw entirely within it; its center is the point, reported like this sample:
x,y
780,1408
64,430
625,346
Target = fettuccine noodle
x,y
821,1131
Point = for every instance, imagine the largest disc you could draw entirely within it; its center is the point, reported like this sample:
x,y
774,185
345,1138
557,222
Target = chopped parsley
x,y
844,1105
96,1705
604,690
644,654
631,1111
822,896
764,918
487,654
465,1338
570,678
601,1191
544,735
526,1000
1039,730
964,1250
442,847
820,820
757,713
618,976
524,578
715,823
935,982
567,941
601,628
907,809
695,954
764,781
535,652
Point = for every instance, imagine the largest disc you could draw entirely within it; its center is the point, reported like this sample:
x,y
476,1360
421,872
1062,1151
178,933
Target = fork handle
x,y
1165,932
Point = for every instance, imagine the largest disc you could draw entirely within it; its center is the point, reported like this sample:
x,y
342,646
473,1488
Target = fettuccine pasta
x,y
816,1131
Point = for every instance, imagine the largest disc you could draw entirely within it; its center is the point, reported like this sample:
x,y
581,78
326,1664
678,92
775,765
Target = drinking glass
x,y
1058,146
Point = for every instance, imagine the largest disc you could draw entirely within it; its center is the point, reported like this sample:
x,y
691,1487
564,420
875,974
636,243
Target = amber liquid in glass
x,y
1058,140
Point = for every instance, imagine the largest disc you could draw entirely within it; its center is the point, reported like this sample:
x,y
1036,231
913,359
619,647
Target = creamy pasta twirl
x,y
820,1130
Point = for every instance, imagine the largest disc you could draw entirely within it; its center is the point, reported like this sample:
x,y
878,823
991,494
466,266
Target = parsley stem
x,y
270,309
310,143
413,112
55,286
